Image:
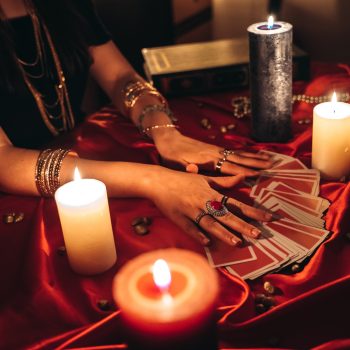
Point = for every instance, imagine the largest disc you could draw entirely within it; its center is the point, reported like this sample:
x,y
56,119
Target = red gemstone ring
x,y
215,208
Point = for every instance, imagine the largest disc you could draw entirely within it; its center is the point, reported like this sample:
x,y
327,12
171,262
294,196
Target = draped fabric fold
x,y
44,305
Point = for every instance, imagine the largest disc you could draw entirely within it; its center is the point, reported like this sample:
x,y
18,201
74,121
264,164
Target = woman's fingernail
x,y
255,232
205,241
236,242
268,216
276,216
253,174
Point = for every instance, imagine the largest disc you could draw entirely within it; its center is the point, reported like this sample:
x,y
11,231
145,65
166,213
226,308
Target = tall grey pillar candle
x,y
270,65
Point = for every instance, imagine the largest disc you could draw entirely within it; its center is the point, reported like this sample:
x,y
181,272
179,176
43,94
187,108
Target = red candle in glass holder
x,y
168,298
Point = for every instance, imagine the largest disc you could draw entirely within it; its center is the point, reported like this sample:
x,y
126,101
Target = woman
x,y
47,50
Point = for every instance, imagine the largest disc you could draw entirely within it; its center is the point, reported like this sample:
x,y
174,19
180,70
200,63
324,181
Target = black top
x,y
19,114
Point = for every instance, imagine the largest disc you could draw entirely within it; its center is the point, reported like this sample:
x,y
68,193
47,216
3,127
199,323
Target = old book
x,y
207,66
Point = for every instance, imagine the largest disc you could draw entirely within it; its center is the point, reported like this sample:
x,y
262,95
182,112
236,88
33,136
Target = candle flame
x,y
270,21
161,274
76,174
334,97
334,101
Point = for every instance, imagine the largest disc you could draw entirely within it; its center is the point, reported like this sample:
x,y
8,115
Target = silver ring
x,y
200,216
216,208
226,152
219,163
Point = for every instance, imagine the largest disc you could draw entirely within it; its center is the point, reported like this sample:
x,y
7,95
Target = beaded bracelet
x,y
241,104
154,108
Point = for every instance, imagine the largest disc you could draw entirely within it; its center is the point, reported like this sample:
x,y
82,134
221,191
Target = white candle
x,y
331,139
86,224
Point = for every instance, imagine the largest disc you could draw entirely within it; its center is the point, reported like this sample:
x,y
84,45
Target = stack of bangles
x,y
133,91
48,169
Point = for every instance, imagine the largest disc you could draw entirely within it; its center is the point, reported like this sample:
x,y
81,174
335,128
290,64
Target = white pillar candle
x,y
86,224
331,139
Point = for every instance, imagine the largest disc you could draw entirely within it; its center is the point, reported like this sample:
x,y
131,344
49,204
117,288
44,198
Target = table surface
x,y
44,305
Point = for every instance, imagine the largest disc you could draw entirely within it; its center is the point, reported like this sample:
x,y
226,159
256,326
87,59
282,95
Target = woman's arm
x,y
17,172
180,196
112,71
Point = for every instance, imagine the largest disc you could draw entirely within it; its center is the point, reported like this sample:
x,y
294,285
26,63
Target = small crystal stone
x,y
61,250
269,288
104,305
141,229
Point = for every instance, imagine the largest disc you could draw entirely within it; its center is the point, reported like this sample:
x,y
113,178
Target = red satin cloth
x,y
44,305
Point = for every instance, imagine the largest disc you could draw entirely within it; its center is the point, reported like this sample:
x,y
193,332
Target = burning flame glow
x,y
161,274
334,101
270,22
334,97
76,174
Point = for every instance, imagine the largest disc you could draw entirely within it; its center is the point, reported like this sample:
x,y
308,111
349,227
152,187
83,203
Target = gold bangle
x,y
155,127
135,89
51,159
53,165
47,170
130,103
57,170
39,171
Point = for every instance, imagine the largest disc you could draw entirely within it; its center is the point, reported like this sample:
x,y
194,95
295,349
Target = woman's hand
x,y
191,201
181,151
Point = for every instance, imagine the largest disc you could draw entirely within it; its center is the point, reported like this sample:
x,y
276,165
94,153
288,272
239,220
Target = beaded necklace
x,y
64,120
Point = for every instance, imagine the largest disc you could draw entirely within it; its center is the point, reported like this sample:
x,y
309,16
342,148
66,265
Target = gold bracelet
x,y
57,169
39,171
155,127
135,89
48,173
47,170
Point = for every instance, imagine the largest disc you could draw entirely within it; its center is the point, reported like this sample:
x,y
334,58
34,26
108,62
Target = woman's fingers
x,y
215,228
262,156
225,181
232,169
238,225
192,230
249,160
240,208
221,226
192,168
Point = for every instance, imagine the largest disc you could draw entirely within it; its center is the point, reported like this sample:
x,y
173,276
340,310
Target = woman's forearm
x,y
121,178
17,169
113,72
17,173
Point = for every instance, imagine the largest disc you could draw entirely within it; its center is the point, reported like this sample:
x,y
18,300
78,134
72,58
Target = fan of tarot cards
x,y
290,190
